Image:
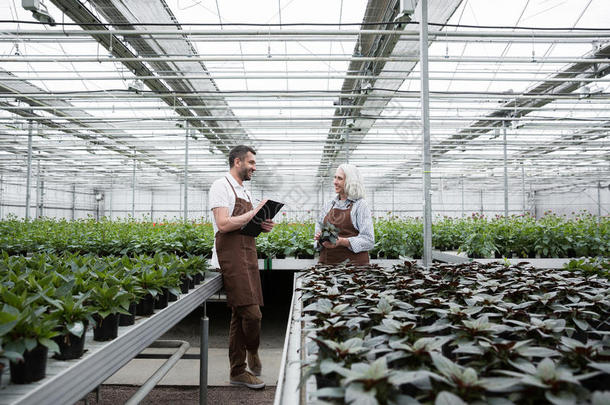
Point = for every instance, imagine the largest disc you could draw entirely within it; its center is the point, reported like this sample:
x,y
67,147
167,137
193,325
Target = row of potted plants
x,y
456,334
49,301
477,236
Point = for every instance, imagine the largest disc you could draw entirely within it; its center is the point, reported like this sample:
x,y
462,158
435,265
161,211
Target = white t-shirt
x,y
221,195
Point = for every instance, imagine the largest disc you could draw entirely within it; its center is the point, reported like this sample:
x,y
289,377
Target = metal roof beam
x,y
87,20
379,46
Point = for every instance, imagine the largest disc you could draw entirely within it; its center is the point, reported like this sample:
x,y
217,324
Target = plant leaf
x,y
356,395
563,398
331,392
53,348
447,398
76,328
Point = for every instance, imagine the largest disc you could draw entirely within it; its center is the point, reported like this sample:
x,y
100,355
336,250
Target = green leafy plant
x,y
109,299
329,233
32,326
71,313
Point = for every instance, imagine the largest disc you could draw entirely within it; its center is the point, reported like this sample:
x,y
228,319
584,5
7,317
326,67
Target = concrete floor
x,y
186,372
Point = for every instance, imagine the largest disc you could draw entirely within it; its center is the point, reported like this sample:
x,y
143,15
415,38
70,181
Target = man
x,y
235,255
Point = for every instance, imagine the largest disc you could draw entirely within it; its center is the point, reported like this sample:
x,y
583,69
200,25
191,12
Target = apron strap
x,y
236,197
231,187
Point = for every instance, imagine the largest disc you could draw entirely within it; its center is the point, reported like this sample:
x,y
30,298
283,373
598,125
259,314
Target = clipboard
x,y
267,211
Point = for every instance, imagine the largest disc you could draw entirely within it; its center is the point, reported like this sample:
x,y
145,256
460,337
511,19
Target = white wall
x,y
56,200
301,204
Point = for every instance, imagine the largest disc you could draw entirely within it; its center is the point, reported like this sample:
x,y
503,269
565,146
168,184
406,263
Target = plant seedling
x,y
329,233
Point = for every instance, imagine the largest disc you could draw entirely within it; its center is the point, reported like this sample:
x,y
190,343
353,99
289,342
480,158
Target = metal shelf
x,y
69,381
288,390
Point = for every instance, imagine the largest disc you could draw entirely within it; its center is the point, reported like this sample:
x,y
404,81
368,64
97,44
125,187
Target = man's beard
x,y
245,174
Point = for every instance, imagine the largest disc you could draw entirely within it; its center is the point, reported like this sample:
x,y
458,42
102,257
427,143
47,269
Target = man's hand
x,y
267,225
260,205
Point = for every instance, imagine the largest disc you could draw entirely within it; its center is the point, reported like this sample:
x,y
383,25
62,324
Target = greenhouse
x,y
466,139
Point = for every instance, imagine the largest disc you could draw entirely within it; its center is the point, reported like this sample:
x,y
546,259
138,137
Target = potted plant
x,y
196,266
5,358
151,281
329,233
73,316
135,293
108,302
28,339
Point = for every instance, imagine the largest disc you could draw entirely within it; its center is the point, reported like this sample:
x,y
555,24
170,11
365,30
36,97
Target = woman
x,y
349,212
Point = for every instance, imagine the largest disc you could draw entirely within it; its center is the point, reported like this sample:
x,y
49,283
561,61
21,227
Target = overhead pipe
x,y
202,39
313,95
461,108
266,33
442,118
256,76
295,58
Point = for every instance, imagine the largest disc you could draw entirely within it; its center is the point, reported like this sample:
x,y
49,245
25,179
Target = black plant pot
x,y
70,346
107,328
197,278
191,283
329,380
162,299
126,320
146,306
171,297
184,285
32,368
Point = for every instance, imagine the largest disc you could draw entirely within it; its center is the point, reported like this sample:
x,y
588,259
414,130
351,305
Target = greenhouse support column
x,y
111,193
523,186
38,193
427,158
505,173
481,198
346,146
373,202
1,193
41,197
186,171
205,199
462,195
73,201
393,185
29,172
133,187
599,202
152,205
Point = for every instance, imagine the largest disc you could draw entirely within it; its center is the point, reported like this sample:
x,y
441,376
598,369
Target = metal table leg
x,y
203,359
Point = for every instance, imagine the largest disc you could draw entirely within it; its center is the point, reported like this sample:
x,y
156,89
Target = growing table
x,y
69,381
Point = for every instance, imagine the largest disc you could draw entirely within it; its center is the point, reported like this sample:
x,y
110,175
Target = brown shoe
x,y
246,378
254,363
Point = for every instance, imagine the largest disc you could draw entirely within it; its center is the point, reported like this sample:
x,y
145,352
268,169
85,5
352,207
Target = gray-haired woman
x,y
349,212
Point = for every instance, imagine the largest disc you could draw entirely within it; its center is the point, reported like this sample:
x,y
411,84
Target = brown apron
x,y
342,219
238,262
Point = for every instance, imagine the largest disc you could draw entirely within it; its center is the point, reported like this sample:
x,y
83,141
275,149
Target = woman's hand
x,y
317,236
340,242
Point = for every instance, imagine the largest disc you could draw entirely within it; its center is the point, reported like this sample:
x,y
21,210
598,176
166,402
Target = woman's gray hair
x,y
354,183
